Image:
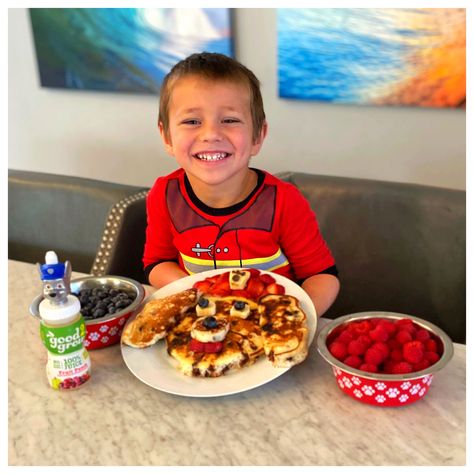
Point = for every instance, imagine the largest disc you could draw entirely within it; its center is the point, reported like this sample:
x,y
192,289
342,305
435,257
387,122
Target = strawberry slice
x,y
254,272
275,289
207,347
203,286
196,346
255,287
213,347
267,279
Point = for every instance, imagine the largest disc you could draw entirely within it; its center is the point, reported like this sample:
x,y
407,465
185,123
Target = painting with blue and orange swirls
x,y
382,56
123,49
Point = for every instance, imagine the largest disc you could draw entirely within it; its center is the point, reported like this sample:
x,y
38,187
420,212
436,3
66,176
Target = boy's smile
x,y
210,135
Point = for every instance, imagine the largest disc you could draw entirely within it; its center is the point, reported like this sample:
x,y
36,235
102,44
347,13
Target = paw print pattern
x,y
368,390
113,331
347,382
383,392
103,328
392,392
94,336
380,398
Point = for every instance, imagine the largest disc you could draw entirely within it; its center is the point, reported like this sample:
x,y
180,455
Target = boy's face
x,y
210,130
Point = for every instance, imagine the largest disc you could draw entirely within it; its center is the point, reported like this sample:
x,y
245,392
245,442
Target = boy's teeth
x,y
211,156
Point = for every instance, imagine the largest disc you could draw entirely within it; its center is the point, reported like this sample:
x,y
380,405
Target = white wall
x,y
113,137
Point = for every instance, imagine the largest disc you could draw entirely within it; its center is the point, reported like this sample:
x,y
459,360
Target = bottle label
x,y
63,340
69,363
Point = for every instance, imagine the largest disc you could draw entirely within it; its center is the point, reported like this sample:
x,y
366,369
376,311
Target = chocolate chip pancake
x,y
157,317
284,330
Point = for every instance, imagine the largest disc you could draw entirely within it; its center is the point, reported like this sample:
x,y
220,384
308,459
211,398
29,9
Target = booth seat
x,y
398,247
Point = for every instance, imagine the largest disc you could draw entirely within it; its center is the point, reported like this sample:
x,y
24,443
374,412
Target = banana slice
x,y
205,307
240,309
210,329
238,279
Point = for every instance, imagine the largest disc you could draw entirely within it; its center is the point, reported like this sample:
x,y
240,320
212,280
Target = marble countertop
x,y
299,419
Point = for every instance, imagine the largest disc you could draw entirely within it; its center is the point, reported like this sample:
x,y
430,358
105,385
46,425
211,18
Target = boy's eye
x,y
190,122
231,120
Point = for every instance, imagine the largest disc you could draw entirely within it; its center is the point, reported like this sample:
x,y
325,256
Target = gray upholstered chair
x,y
62,213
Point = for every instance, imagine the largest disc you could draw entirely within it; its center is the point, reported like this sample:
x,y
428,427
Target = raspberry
x,y
365,340
356,348
407,325
353,361
422,365
396,355
382,347
431,357
374,356
379,334
345,337
403,336
360,327
402,368
413,351
338,350
422,335
369,367
389,326
430,345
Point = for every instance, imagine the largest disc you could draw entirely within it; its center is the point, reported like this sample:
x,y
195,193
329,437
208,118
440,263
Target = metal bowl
x,y
106,330
379,388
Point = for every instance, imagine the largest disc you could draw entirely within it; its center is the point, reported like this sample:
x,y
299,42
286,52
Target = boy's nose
x,y
210,132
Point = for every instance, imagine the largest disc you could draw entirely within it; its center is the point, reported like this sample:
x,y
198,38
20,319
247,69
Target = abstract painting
x,y
123,49
373,56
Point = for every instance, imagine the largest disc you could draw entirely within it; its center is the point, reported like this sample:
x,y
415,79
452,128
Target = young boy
x,y
215,211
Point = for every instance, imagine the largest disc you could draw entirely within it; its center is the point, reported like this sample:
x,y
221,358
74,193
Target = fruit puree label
x,y
68,361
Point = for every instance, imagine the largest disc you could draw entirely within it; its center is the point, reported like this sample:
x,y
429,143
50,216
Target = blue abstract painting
x,y
379,56
123,49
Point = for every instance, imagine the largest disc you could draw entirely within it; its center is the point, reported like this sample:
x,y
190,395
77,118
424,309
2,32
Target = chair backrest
x,y
121,249
398,247
62,213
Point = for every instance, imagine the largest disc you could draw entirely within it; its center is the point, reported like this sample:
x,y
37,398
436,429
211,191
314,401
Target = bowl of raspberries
x,y
383,358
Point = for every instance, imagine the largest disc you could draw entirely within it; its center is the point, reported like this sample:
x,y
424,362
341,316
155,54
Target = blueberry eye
x,y
203,303
210,322
239,305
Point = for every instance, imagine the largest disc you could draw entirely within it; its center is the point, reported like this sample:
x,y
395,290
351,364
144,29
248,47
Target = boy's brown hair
x,y
213,66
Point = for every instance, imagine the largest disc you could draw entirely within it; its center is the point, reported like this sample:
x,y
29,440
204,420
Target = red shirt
x,y
273,229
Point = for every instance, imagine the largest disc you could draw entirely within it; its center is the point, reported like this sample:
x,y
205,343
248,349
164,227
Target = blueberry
x,y
203,302
98,313
239,305
210,322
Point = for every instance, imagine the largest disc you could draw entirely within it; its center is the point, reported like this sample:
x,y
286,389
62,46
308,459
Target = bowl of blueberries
x,y
106,304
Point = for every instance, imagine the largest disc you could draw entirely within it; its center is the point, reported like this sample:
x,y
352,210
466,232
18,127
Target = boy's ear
x,y
166,140
257,145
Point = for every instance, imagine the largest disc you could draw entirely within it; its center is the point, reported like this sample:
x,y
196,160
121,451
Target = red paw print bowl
x,y
118,296
382,358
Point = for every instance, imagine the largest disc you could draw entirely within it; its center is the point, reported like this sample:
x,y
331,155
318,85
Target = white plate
x,y
157,369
